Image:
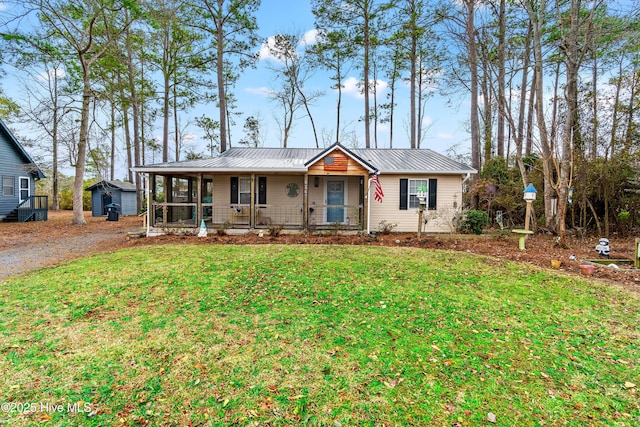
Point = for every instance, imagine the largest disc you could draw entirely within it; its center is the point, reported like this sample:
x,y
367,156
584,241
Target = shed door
x,y
106,200
335,196
25,188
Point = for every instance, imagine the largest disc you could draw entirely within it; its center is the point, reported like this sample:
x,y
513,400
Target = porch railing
x,y
34,208
265,215
329,216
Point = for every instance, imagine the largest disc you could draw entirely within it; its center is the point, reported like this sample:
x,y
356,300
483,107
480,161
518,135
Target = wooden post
x,y
420,221
199,216
527,216
636,260
252,202
305,202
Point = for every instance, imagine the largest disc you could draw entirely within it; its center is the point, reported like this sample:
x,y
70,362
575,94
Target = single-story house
x,y
19,174
120,193
306,189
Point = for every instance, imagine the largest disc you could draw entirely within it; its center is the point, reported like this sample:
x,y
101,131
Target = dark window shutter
x,y
433,192
404,194
234,189
262,190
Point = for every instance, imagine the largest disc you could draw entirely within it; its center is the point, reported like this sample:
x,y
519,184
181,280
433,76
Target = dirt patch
x,y
34,245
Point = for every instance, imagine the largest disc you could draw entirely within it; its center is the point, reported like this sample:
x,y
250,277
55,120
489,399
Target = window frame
x,y
412,198
244,197
12,186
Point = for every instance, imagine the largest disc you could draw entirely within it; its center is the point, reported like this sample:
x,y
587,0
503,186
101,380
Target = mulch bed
x,y
540,250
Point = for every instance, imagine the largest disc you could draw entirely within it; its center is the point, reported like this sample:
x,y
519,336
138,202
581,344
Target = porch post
x,y
199,201
305,202
168,198
151,193
252,203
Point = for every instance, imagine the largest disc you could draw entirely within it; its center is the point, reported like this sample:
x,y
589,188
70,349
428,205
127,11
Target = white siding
x,y
448,203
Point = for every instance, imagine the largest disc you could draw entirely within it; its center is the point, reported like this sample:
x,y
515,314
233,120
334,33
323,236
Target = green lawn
x,y
314,335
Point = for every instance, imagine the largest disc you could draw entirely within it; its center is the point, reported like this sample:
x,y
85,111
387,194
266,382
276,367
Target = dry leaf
x,y
491,417
629,385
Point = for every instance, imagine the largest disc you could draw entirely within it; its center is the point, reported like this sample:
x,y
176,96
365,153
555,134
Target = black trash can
x,y
112,211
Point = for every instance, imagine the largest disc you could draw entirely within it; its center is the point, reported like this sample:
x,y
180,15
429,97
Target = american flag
x,y
378,195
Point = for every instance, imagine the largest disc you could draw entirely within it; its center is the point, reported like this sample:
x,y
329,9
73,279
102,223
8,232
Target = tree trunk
x,y
501,78
412,81
222,97
521,113
136,121
366,42
54,138
571,91
473,69
487,111
78,182
112,154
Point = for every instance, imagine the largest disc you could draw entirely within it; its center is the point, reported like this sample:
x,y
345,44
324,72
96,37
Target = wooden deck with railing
x,y
34,208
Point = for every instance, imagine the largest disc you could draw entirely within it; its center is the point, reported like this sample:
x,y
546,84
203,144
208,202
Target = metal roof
x,y
35,170
386,161
399,160
120,185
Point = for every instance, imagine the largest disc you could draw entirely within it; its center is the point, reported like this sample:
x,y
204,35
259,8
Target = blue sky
x,y
447,127
277,16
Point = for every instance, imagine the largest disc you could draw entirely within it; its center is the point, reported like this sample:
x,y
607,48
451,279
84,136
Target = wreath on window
x,y
292,190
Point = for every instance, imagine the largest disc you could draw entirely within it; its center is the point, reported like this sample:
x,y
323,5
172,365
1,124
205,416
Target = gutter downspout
x,y
466,178
368,204
148,209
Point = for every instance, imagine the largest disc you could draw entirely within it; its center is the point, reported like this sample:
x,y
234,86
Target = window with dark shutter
x,y
404,194
262,190
433,191
234,190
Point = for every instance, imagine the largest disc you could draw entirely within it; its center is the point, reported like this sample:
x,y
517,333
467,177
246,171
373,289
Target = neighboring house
x,y
305,189
119,193
19,173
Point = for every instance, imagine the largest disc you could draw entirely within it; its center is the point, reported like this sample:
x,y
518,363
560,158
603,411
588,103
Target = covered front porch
x,y
256,201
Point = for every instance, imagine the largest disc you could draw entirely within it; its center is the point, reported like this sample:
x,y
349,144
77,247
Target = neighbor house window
x,y
414,186
8,185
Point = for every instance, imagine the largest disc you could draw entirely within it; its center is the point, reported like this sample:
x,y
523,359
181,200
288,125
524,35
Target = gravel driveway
x,y
35,245
35,256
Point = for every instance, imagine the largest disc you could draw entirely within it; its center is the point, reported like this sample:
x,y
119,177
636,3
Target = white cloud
x,y
260,91
309,38
265,49
48,75
353,87
189,137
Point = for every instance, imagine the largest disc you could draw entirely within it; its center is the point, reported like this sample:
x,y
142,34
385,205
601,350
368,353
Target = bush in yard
x,y
474,221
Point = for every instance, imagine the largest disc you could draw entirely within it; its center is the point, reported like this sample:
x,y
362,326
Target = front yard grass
x,y
314,335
